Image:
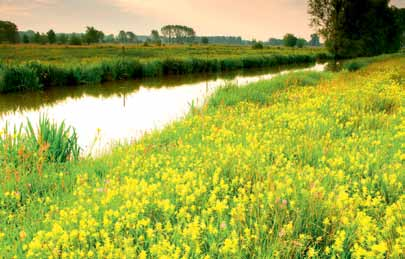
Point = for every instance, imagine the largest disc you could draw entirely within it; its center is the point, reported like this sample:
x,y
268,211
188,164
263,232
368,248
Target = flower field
x,y
312,168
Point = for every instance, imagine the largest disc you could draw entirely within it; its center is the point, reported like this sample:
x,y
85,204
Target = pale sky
x,y
259,19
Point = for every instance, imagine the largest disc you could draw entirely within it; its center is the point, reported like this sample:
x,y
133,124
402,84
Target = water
x,y
123,111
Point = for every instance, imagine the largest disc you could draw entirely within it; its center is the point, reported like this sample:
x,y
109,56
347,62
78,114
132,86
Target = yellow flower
x,y
23,235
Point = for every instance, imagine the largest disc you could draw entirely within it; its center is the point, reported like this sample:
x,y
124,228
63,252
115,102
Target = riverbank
x,y
32,74
306,164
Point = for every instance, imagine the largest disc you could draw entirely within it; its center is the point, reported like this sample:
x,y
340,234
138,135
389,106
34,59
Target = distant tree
x,y
9,32
301,43
75,39
356,27
276,42
257,45
109,38
93,35
37,38
122,37
290,40
205,40
26,39
131,37
155,37
43,39
51,36
314,40
178,33
62,38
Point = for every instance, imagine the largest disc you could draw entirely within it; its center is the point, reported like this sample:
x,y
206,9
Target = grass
x,y
310,166
59,54
36,67
262,91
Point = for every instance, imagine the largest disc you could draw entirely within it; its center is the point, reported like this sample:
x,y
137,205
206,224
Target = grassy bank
x,y
305,165
36,67
62,54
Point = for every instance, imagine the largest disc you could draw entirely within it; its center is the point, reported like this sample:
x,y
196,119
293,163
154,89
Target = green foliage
x,y
314,42
75,40
205,40
51,36
290,40
356,28
18,78
26,39
8,32
258,45
178,34
301,43
92,35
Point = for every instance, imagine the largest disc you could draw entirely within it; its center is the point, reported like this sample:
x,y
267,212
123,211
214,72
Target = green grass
x,y
78,54
261,92
35,68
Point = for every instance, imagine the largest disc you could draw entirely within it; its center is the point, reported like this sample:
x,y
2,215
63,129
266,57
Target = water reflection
x,y
123,110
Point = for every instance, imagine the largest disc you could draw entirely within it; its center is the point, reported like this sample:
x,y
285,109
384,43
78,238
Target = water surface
x,y
113,112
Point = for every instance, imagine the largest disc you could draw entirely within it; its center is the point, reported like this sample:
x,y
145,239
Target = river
x,y
106,114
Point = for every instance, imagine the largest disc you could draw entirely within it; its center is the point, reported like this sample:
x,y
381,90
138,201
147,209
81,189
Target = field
x,y
33,67
67,54
305,165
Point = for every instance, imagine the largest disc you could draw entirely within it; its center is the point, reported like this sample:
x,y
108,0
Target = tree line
x,y
353,28
290,40
170,34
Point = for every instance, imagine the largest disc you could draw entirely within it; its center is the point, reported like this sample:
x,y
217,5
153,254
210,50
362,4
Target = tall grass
x,y
49,142
261,92
35,75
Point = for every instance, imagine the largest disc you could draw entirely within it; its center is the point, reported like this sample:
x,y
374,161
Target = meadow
x,y
35,67
306,165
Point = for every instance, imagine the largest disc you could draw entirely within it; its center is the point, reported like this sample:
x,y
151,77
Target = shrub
x,y
18,78
258,45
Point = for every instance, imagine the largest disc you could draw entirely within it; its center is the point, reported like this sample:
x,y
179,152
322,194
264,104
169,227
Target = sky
x,y
251,19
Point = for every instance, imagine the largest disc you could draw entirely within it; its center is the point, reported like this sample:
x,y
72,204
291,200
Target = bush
x,y
258,45
18,78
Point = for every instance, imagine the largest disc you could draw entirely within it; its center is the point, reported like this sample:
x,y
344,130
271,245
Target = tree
x,y
356,27
37,38
290,40
51,36
301,43
155,37
109,38
276,42
131,37
26,39
93,36
205,40
9,32
314,40
122,37
75,40
178,33
62,38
